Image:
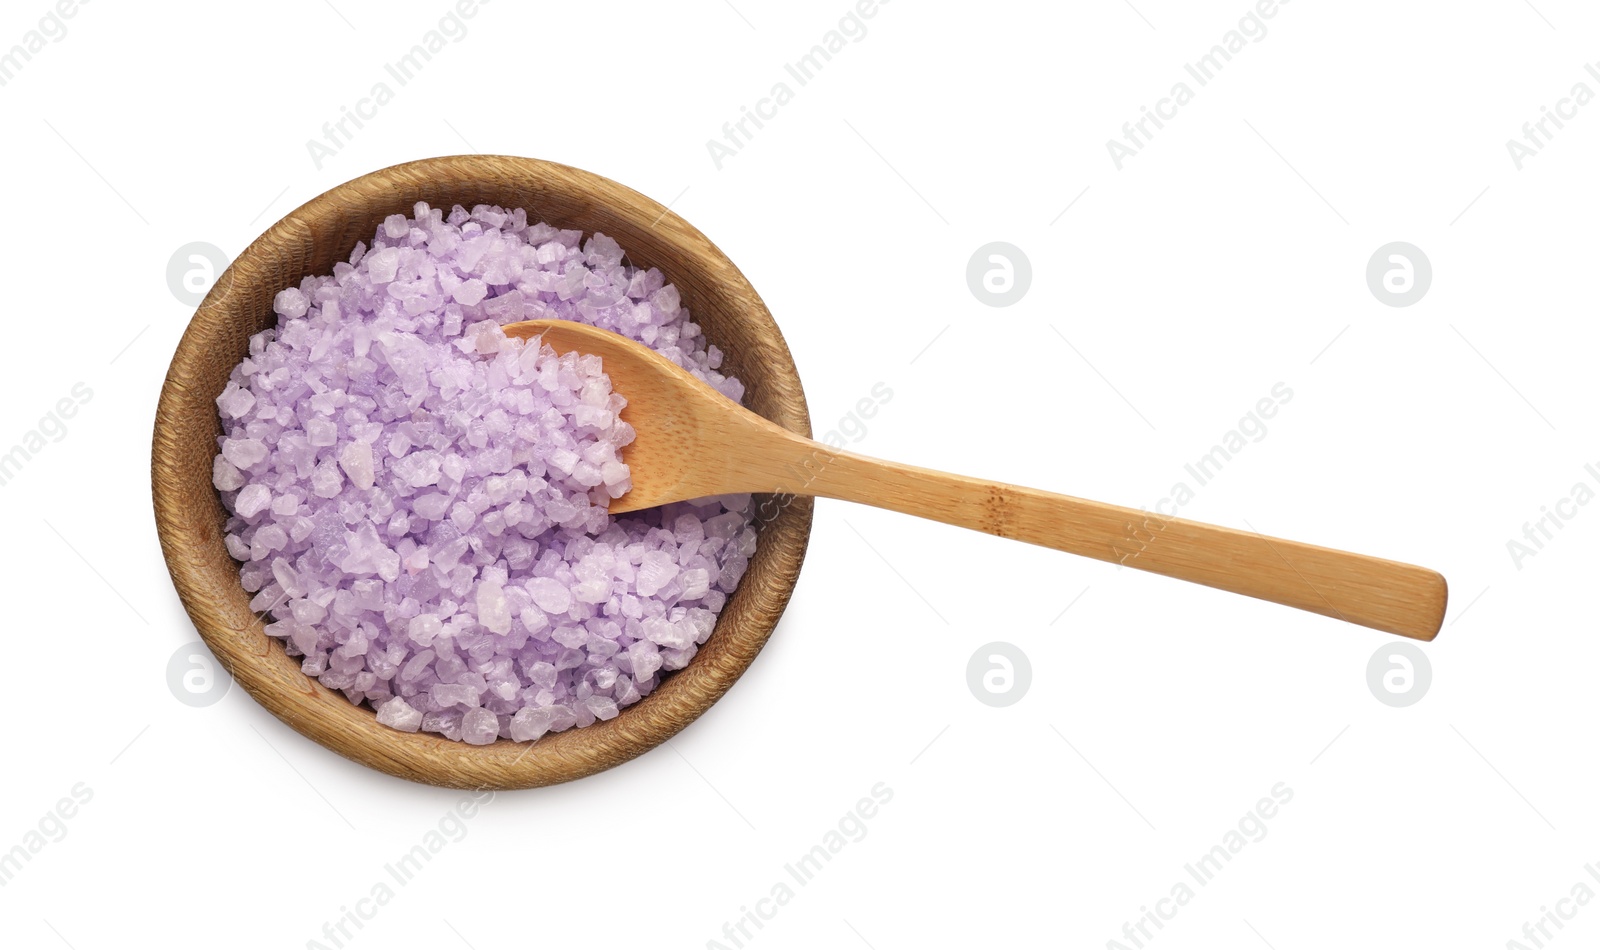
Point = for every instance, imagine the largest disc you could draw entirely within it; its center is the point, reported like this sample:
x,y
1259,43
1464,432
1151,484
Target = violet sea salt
x,y
418,501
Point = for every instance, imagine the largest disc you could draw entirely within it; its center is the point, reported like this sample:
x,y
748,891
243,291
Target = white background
x,y
1228,256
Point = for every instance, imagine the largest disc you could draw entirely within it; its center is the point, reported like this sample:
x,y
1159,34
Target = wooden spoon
x,y
693,442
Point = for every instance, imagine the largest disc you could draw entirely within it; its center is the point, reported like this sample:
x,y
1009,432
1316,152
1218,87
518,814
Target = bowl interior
x,y
309,241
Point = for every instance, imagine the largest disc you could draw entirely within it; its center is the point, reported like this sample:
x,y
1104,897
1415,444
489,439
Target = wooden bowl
x,y
190,517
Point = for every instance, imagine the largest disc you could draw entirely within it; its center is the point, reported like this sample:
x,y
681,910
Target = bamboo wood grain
x,y
692,442
309,241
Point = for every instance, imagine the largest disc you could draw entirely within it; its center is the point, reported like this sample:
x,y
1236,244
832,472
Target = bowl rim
x,y
190,529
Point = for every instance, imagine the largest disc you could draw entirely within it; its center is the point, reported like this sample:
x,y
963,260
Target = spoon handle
x,y
1373,592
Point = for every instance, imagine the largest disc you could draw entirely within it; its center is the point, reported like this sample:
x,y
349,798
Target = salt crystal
x,y
224,475
479,727
291,303
398,714
453,694
325,481
506,308
307,611
593,592
470,292
244,452
542,674
431,506
494,611
531,722
626,691
356,460
382,265
704,623
603,707
551,595
696,583
676,659
655,571
688,529
672,636
235,401
320,432
417,666
592,416
646,659
424,628
253,499
725,525
561,718
270,537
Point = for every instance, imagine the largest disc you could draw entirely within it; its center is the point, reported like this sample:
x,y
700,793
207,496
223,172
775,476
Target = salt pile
x,y
418,501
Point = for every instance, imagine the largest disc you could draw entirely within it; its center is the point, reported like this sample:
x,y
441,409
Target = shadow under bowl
x,y
308,242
